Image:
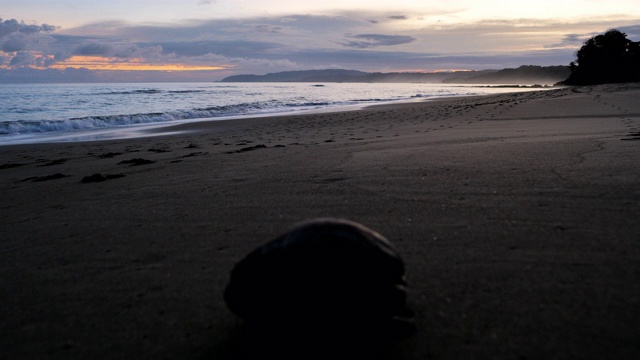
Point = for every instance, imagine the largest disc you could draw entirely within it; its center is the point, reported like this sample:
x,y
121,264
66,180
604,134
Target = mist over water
x,y
36,112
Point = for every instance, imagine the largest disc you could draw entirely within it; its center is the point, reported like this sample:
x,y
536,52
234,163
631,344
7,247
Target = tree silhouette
x,y
607,58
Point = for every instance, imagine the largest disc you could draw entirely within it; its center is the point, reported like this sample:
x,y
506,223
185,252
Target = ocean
x,y
36,113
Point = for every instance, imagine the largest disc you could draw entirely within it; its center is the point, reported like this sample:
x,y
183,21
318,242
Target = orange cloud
x,y
114,64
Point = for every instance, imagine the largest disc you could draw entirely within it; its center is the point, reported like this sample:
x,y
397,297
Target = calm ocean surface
x,y
73,112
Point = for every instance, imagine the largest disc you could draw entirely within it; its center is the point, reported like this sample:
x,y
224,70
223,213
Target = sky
x,y
207,40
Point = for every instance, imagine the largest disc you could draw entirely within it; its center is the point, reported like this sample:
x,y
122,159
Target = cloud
x,y
27,59
31,75
576,40
569,40
633,32
15,42
186,50
362,41
25,45
18,36
118,50
153,52
4,60
573,39
94,49
269,29
355,40
14,26
246,65
22,59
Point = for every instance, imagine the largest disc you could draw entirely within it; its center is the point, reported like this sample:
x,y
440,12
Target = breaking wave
x,y
32,110
149,92
110,121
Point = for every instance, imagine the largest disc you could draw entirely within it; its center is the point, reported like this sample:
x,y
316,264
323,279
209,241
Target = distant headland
x,y
523,75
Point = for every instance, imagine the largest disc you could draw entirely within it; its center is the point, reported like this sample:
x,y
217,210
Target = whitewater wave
x,y
110,121
148,92
110,106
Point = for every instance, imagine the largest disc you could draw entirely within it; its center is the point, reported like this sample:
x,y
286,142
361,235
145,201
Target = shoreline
x,y
143,130
515,214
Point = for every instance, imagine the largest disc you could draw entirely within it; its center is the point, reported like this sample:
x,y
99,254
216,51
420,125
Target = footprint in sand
x,y
633,136
54,162
199,153
10,166
159,150
136,162
108,155
250,148
100,178
46,178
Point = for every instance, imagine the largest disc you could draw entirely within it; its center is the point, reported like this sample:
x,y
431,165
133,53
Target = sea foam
x,y
34,109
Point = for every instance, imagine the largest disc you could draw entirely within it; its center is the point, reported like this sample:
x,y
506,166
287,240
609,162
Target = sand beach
x,y
516,216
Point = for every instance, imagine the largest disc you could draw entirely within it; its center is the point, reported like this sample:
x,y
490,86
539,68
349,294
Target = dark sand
x,y
517,217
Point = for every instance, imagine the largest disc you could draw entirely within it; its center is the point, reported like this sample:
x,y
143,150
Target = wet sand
x,y
516,215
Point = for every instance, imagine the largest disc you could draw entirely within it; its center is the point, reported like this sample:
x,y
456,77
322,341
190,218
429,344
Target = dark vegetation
x,y
606,58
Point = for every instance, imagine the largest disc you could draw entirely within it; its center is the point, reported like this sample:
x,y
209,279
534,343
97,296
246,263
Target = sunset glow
x,y
112,64
257,37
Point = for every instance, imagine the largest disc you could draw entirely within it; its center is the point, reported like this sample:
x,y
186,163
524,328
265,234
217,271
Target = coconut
x,y
327,280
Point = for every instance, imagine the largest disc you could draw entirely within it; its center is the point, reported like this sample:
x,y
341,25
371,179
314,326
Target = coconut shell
x,y
330,275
